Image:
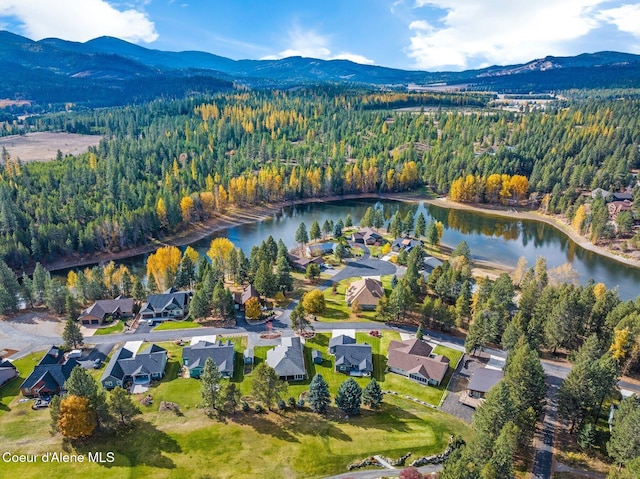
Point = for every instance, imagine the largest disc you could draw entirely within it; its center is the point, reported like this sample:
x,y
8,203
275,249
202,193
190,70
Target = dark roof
x,y
52,369
104,307
622,196
126,363
322,247
484,379
160,302
6,364
247,293
354,355
342,339
220,353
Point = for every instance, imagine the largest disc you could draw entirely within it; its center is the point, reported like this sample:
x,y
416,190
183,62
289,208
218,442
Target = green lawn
x,y
336,306
290,444
176,325
11,390
116,327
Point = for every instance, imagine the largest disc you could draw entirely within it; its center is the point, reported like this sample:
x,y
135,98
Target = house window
x,y
108,384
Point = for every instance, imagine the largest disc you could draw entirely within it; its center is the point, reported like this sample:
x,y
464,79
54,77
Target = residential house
x,y
117,308
248,356
366,291
354,359
300,264
49,376
431,263
413,358
129,365
316,357
367,236
7,371
601,192
482,380
617,207
320,249
195,355
406,243
171,304
626,196
245,295
340,339
288,359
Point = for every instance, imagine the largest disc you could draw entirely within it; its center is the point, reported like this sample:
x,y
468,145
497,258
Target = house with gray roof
x,y
482,380
353,359
194,357
7,371
171,304
49,376
129,366
339,340
320,249
414,359
406,243
117,308
288,359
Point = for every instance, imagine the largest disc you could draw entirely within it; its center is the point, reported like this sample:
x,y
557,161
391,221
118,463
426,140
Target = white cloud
x,y
625,17
313,45
79,20
498,31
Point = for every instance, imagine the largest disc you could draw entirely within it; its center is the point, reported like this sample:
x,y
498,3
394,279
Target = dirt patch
x,y
5,353
44,146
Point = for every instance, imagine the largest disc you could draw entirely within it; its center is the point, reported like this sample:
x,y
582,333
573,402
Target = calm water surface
x,y
490,238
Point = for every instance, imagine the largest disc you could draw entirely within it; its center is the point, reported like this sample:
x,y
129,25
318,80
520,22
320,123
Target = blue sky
x,y
411,34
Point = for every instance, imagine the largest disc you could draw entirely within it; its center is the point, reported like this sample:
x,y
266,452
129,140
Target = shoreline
x,y
236,216
535,216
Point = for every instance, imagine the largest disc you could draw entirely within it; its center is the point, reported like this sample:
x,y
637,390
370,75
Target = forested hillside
x,y
167,163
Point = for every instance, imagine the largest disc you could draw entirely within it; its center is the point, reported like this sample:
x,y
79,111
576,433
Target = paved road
x,y
545,436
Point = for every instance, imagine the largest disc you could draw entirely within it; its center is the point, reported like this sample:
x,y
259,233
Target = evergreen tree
x,y
283,274
525,377
40,276
122,406
302,236
230,398
462,249
326,229
315,233
9,289
337,229
367,219
378,219
421,226
409,221
348,222
265,281
400,299
349,397
72,336
267,387
80,383
55,295
200,306
210,386
313,271
71,307
298,317
396,226
318,395
372,394
340,252
138,291
186,273
624,445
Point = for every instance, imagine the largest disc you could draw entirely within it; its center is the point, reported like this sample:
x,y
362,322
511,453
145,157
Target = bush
x,y
259,408
291,402
300,403
282,405
245,406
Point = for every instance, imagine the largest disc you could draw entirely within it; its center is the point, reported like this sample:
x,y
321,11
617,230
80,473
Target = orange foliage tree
x,y
76,418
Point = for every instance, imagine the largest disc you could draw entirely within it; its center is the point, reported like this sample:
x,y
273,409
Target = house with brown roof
x,y
300,264
482,381
117,308
366,291
617,207
414,359
245,295
367,236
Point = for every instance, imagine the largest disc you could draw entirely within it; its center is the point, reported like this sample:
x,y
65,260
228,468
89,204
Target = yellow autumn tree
x,y
76,418
579,219
72,279
252,308
620,344
599,289
161,211
162,266
193,255
186,208
219,251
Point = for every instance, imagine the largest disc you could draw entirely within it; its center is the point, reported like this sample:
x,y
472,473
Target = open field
x,y
288,444
44,146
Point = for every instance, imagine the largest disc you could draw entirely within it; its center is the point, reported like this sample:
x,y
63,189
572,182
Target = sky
x,y
434,35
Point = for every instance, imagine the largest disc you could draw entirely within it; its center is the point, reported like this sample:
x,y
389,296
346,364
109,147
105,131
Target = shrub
x,y
259,408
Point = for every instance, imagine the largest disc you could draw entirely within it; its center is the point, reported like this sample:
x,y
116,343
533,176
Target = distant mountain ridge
x,y
108,70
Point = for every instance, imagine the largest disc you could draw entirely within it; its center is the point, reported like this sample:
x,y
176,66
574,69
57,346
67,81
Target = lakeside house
x,y
367,236
248,292
117,308
195,355
130,366
413,358
172,304
300,264
50,374
405,243
288,359
320,249
366,291
617,207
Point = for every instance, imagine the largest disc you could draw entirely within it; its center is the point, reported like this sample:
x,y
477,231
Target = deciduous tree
x,y
76,418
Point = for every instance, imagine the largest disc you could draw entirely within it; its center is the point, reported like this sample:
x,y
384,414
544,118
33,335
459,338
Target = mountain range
x,y
108,71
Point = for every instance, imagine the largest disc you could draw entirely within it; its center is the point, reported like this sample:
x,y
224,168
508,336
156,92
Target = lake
x,y
491,238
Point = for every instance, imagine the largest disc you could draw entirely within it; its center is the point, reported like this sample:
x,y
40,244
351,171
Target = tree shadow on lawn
x,y
386,417
10,390
334,313
143,444
286,425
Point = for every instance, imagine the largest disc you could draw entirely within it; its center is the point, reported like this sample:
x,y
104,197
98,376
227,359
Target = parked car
x,y
97,363
41,403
